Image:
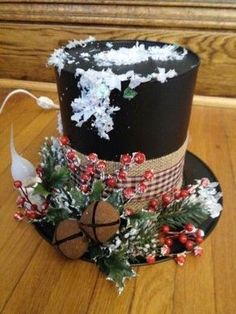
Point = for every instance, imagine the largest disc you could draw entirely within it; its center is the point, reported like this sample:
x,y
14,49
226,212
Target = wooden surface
x,y
30,30
34,278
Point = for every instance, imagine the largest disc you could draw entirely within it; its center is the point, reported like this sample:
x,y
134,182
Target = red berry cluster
x,y
64,140
151,259
189,237
127,161
28,209
39,171
167,198
94,166
121,175
73,160
136,158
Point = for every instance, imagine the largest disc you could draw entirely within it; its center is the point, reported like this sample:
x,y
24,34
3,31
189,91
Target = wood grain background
x,y
30,30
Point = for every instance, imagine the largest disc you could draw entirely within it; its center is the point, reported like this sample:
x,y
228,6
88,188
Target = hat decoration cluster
x,y
92,218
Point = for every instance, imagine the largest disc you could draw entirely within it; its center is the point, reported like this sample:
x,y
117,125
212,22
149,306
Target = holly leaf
x,y
116,199
59,177
55,215
79,198
97,189
95,251
129,93
40,189
116,268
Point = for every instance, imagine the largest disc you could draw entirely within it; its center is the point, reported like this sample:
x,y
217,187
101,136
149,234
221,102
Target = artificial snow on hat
x,y
119,171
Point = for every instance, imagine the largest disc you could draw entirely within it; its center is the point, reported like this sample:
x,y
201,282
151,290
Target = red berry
x,y
168,242
111,182
84,188
189,245
142,187
90,169
199,239
85,177
34,207
198,251
182,238
17,184
129,211
125,159
31,214
128,192
177,194
39,170
18,215
20,201
200,233
189,227
148,175
122,175
71,155
64,140
161,239
180,259
151,259
184,193
139,158
166,199
165,250
165,228
153,203
101,165
92,157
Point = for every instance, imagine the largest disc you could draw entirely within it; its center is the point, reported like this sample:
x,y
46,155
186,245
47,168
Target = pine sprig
x,y
55,172
177,215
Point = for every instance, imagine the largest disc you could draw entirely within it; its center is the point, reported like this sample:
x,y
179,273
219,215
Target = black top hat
x,y
155,121
119,98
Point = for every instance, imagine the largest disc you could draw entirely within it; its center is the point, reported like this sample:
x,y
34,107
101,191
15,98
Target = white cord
x,y
42,101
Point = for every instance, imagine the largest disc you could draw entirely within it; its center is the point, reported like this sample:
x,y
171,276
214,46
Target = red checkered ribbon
x,y
162,182
168,174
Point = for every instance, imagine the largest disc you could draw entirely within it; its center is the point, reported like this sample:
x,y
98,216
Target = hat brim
x,y
194,168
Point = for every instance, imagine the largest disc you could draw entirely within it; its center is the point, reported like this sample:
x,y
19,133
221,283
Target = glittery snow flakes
x,y
137,54
94,102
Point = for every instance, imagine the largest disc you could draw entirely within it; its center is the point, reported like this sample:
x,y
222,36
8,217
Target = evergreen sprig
x,y
177,215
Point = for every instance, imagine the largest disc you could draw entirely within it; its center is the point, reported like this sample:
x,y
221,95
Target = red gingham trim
x,y
163,181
